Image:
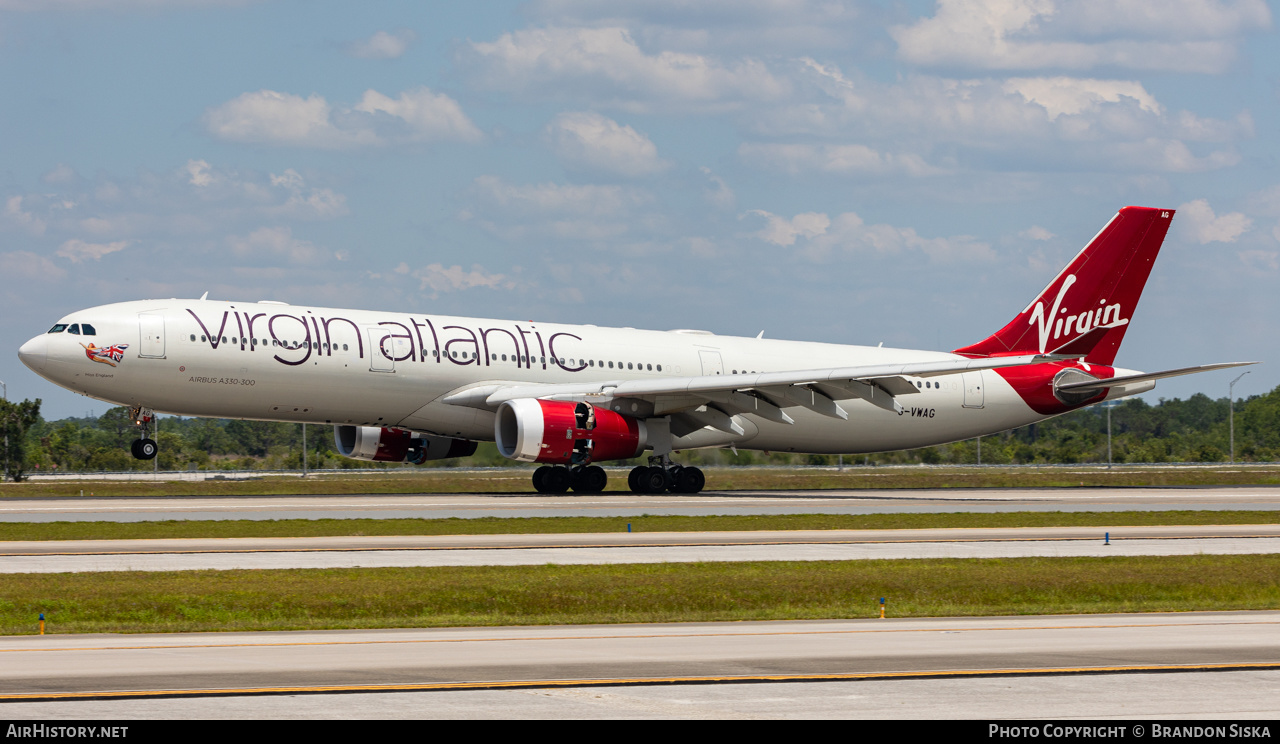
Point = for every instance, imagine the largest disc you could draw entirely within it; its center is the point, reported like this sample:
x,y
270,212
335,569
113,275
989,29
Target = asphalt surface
x,y
1237,696
386,506
621,547
98,667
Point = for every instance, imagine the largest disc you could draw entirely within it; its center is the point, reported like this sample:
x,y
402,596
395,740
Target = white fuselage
x,y
275,362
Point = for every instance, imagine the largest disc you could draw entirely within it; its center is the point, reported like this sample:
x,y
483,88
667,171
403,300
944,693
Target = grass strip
x,y
644,523
442,480
135,602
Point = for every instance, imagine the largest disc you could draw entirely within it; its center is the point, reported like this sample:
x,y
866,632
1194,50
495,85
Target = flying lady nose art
x,y
111,355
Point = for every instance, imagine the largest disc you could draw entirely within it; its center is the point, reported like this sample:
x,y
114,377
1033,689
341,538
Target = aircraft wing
x,y
715,398
1146,376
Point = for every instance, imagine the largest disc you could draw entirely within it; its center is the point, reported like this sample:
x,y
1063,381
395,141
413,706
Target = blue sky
x,y
854,172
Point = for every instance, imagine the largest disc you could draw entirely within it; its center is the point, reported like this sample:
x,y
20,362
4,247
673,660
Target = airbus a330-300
x,y
408,387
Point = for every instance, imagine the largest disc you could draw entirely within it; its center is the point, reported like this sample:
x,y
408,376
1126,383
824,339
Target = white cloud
x,y
608,66
61,174
1065,95
589,212
1206,227
588,199
588,141
1176,35
720,194
846,159
1035,232
816,236
278,242
439,278
743,25
925,124
270,117
422,115
27,265
15,215
78,250
783,231
1260,260
199,172
383,45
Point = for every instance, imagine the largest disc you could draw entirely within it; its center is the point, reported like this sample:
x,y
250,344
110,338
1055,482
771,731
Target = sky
x,y
870,171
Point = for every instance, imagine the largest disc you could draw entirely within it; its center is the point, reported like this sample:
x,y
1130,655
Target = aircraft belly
x,y
928,419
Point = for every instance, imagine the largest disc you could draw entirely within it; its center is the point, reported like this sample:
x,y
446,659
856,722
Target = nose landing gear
x,y
662,475
143,448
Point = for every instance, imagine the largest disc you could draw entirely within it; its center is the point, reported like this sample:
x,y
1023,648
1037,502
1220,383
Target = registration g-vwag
x,y
404,387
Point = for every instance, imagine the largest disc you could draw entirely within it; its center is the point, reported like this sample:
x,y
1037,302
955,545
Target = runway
x,y
435,506
857,656
623,547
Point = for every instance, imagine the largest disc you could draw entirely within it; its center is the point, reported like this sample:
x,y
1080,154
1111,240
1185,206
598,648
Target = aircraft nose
x,y
35,352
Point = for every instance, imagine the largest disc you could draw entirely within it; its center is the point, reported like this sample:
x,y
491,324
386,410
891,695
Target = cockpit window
x,y
88,330
59,328
75,328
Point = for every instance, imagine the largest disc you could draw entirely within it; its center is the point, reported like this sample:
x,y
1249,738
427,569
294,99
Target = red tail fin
x,y
1099,288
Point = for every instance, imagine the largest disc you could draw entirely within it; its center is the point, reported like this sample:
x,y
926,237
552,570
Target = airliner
x,y
408,387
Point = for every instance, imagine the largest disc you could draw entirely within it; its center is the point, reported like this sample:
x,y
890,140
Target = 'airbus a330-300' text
x,y
411,388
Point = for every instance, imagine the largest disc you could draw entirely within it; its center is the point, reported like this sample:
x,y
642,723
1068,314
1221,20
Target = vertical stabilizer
x,y
1087,306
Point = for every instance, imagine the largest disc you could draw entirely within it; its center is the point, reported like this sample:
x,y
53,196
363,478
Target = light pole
x,y
1231,413
5,389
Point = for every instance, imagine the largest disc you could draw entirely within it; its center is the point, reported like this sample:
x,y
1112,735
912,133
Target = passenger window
x,y
193,337
591,362
59,328
88,330
649,367
344,347
610,365
75,328
659,367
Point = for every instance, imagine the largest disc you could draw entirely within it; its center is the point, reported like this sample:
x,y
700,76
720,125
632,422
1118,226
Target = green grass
x,y
646,523
132,602
444,480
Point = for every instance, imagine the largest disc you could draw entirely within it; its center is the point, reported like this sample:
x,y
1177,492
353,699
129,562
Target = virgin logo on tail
x,y
1106,315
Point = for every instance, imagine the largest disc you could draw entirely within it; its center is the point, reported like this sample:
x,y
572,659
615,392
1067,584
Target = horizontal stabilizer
x,y
1145,377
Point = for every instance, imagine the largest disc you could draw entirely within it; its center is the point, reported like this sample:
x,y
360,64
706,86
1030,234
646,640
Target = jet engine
x,y
380,444
563,432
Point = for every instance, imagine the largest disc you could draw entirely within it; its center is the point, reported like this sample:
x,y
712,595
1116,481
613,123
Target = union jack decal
x,y
112,355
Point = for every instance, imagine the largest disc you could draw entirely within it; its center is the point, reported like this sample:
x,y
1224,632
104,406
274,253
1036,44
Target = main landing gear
x,y
143,448
662,475
582,479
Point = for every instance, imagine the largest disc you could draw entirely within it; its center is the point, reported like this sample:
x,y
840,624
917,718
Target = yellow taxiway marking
x,y
617,636
633,681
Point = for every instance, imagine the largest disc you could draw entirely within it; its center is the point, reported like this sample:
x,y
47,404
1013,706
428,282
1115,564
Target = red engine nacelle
x,y
378,444
562,432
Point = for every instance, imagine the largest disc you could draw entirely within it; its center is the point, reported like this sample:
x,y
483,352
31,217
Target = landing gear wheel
x,y
145,449
556,480
633,478
655,480
689,480
591,479
538,476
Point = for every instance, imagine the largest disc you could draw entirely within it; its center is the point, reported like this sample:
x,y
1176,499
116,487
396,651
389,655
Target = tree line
x,y
1191,430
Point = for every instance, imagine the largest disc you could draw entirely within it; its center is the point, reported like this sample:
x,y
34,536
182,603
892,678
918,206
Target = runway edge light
x,y
882,608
